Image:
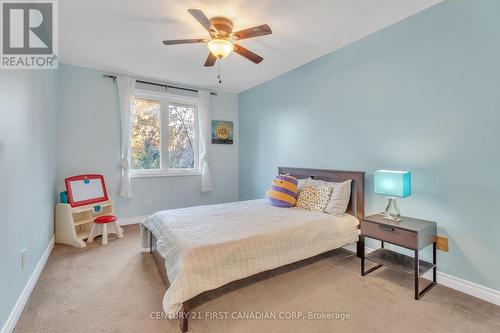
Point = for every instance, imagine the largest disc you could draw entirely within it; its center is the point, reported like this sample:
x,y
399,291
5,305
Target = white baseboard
x,y
352,248
453,282
9,325
11,322
131,220
467,287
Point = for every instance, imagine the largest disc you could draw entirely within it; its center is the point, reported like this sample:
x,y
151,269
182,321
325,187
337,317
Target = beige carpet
x,y
116,287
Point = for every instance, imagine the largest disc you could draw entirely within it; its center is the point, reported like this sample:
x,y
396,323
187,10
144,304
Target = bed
x,y
201,250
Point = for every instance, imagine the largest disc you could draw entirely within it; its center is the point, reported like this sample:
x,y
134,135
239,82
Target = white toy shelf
x,y
73,224
88,199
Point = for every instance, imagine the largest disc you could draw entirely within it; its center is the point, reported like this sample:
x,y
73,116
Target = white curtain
x,y
205,123
126,87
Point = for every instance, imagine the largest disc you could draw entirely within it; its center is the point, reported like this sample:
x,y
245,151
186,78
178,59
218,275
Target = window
x,y
146,131
181,127
164,135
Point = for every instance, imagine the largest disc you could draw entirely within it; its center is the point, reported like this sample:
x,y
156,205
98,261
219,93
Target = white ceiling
x,y
124,36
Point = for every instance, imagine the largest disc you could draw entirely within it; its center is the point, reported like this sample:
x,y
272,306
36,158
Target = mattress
x,y
206,247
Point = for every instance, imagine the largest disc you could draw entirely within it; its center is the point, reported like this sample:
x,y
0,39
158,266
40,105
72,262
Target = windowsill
x,y
162,173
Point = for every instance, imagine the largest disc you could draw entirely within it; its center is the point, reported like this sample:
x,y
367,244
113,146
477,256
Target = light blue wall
x,y
422,95
90,143
28,108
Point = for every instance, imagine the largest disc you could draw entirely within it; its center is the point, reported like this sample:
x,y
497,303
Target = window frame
x,y
165,100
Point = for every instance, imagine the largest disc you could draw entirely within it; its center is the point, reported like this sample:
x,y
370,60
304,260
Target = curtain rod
x,y
107,76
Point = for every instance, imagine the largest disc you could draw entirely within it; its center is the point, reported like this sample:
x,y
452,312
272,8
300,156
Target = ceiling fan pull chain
x,y
219,70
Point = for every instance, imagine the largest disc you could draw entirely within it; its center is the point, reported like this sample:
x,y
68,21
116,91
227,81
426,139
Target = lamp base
x,y
392,218
392,205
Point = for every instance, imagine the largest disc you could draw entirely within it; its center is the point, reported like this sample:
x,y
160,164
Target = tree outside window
x,y
164,136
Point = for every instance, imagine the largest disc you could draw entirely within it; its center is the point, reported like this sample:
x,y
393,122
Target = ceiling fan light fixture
x,y
223,38
220,48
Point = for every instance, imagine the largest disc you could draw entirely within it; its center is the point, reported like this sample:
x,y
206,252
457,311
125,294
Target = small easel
x,y
88,199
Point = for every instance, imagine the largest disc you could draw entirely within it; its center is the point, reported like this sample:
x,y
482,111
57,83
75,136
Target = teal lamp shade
x,y
393,183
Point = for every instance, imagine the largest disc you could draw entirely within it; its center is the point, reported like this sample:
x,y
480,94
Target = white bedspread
x,y
207,247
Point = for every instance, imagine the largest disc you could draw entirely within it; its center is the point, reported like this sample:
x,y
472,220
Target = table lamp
x,y
394,184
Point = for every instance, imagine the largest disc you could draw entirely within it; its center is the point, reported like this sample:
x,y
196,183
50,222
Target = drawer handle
x,y
386,228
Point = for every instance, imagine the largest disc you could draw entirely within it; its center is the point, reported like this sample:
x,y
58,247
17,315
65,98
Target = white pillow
x,y
302,182
312,181
339,198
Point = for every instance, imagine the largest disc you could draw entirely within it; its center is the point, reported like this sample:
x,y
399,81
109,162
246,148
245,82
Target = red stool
x,y
100,227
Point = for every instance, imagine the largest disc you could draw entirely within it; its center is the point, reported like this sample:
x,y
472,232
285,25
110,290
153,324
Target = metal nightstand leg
x,y
418,294
362,240
434,270
363,272
417,274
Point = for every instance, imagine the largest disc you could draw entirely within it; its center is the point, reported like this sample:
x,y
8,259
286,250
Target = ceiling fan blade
x,y
203,19
210,60
184,41
260,30
247,54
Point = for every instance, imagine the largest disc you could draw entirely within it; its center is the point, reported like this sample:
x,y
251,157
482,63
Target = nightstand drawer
x,y
390,234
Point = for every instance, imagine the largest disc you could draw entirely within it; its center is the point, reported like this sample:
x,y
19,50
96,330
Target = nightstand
x,y
413,234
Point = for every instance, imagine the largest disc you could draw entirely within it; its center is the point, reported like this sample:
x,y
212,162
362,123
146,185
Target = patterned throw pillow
x,y
314,197
283,192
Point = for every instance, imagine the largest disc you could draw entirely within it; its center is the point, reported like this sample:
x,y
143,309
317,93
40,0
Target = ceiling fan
x,y
222,38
